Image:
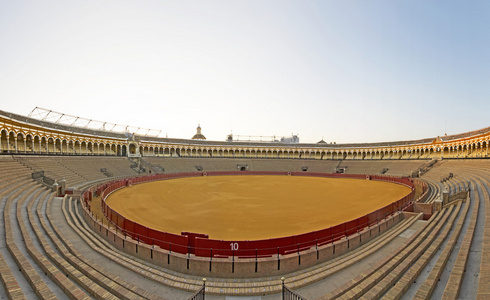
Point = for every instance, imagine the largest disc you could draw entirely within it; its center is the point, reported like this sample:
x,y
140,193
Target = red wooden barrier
x,y
200,245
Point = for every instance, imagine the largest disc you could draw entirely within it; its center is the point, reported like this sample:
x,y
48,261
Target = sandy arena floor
x,y
252,207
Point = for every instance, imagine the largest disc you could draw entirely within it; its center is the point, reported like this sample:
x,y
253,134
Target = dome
x,y
198,135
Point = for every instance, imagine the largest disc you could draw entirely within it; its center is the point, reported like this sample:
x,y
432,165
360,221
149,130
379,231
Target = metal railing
x,y
287,294
201,294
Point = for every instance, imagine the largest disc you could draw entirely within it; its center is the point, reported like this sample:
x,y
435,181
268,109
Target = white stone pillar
x,y
437,205
63,186
54,187
445,197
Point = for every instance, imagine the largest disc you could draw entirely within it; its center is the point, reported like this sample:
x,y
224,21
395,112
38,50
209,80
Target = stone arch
x,y
20,142
44,144
90,148
70,147
100,148
12,140
64,146
95,148
77,147
431,152
445,151
50,145
82,147
57,146
321,155
36,144
3,141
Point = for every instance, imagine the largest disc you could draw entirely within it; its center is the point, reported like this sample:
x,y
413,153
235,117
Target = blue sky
x,y
344,71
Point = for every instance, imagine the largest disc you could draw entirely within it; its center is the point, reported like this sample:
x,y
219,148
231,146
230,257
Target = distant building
x,y
293,139
198,135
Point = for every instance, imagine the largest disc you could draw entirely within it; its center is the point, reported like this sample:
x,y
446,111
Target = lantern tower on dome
x,y
198,135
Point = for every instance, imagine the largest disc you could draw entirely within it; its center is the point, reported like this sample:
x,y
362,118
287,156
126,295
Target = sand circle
x,y
252,207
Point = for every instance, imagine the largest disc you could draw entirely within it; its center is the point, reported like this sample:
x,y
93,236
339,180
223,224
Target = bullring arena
x,y
252,207
392,220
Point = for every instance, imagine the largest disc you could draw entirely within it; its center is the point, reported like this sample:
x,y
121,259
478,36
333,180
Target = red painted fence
x,y
200,245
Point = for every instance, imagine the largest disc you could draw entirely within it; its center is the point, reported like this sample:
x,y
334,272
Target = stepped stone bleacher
x,y
45,235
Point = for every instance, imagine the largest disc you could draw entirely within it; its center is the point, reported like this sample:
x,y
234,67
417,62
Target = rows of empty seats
x,y
77,170
172,165
377,281
405,167
59,256
364,167
50,269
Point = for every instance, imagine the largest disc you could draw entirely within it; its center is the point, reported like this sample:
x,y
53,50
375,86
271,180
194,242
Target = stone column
x,y
63,186
54,188
445,197
437,205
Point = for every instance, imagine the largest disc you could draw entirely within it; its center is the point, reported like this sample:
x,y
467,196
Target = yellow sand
x,y
252,207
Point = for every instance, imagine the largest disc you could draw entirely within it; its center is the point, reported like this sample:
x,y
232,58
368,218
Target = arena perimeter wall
x,y
201,246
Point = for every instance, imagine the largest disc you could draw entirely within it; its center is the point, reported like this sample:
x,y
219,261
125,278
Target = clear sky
x,y
345,71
